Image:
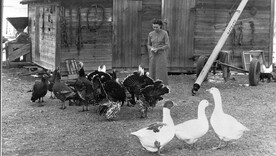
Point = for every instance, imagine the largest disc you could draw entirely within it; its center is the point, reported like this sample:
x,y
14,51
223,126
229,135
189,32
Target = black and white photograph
x,y
138,77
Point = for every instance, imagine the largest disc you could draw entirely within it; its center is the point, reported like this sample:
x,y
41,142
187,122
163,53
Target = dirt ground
x,y
33,131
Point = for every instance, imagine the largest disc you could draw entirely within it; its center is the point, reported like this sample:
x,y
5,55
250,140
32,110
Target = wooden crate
x,y
69,69
247,57
16,50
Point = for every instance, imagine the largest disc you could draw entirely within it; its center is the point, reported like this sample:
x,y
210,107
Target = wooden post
x,y
1,12
218,47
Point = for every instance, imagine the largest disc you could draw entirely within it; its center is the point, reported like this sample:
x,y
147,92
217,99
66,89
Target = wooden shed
x,y
110,32
114,32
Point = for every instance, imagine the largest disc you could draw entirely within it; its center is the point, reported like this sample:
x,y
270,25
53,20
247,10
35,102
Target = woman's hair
x,y
157,21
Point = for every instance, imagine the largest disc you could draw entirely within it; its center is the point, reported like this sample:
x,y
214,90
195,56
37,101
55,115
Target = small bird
x,y
40,89
225,126
154,137
190,131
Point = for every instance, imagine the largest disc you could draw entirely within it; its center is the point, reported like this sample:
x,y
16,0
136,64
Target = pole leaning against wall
x,y
218,47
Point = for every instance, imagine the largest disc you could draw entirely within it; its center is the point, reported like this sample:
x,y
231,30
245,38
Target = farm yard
x,y
28,129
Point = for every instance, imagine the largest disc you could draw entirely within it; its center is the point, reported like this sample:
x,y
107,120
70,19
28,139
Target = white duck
x,y
157,135
225,126
190,131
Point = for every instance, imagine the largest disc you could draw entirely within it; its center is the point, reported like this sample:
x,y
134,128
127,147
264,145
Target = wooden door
x,y
127,33
180,25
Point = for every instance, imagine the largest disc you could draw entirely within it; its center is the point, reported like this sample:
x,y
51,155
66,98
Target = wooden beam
x,y
17,50
271,32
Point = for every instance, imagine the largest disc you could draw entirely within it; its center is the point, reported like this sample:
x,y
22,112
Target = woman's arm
x,y
149,43
167,42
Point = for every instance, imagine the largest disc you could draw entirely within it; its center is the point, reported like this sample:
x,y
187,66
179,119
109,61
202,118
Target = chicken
x,y
150,95
40,89
61,90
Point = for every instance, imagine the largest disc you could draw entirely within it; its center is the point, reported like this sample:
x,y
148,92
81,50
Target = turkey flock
x,y
102,89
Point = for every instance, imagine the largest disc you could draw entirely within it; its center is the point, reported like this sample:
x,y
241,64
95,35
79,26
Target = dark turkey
x,y
135,82
115,90
40,89
61,90
84,88
116,95
102,74
151,94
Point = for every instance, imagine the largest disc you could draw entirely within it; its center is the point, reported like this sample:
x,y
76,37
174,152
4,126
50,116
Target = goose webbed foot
x,y
157,144
219,146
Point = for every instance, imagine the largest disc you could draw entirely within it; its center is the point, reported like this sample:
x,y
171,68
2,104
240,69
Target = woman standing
x,y
158,45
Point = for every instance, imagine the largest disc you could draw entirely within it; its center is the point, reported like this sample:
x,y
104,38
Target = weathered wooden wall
x,y
119,42
252,31
180,25
42,29
132,23
127,30
194,26
86,33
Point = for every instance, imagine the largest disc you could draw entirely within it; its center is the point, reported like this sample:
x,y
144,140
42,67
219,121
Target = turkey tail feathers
x,y
132,80
155,90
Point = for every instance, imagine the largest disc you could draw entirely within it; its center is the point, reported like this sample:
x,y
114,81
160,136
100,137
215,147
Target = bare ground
x,y
31,130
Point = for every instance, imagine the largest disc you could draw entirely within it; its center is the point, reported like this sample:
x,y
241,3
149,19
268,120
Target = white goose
x,y
190,131
225,126
157,135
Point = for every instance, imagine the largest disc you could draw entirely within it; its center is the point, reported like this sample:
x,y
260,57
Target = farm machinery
x,y
253,65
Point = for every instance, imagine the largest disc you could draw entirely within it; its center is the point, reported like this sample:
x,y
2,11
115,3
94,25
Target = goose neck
x,y
218,103
167,116
201,113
